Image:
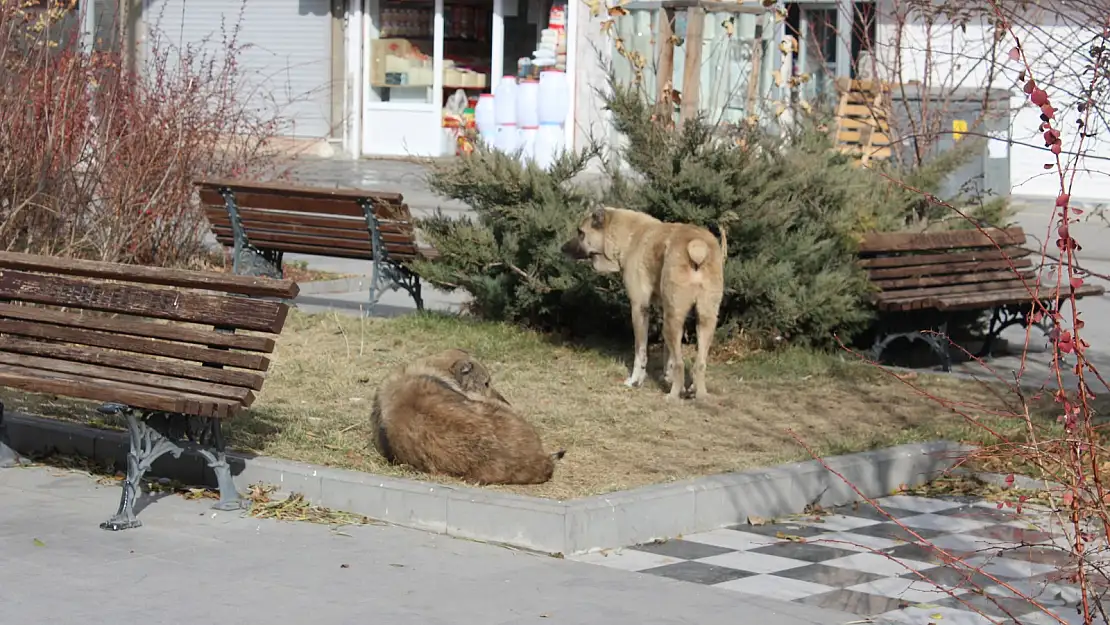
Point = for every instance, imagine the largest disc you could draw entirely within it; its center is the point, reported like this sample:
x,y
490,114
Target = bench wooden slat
x,y
298,191
218,214
949,239
253,229
195,387
330,251
913,260
77,387
252,218
223,226
273,239
259,218
227,283
298,204
98,356
918,299
1014,296
138,327
897,285
278,241
93,338
223,311
939,269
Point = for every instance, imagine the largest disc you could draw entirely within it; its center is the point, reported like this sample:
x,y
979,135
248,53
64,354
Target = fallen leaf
x,y
344,566
39,543
936,617
756,520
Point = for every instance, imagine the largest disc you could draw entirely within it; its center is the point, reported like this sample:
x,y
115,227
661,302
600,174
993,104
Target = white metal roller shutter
x,y
287,63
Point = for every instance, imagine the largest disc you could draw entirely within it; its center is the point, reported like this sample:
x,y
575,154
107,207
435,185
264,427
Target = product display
x,y
401,56
551,51
523,111
400,63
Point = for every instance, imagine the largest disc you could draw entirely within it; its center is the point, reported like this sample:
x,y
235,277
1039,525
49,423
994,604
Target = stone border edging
x,y
563,527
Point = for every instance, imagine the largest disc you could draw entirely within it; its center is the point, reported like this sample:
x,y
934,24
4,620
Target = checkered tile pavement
x,y
856,560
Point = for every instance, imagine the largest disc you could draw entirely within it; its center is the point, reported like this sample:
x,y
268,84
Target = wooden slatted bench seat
x,y
924,280
158,345
263,221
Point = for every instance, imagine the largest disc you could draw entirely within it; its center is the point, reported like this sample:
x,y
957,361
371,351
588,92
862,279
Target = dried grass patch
x,y
315,404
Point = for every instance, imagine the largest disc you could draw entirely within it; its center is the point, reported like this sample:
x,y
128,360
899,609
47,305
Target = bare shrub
x,y
97,161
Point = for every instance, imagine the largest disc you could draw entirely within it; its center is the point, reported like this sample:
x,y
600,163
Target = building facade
x,y
312,62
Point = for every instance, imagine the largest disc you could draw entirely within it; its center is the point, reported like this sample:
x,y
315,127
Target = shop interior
x,y
401,63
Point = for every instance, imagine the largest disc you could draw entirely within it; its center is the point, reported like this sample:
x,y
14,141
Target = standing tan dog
x,y
440,415
676,265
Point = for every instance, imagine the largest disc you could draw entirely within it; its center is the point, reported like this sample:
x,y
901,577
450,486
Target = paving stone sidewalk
x,y
189,564
857,560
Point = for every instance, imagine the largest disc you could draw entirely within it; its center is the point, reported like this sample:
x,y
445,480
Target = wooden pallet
x,y
862,126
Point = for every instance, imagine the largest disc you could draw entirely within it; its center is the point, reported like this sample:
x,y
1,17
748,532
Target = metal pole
x,y
88,25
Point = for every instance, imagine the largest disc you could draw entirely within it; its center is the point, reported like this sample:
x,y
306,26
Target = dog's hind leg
x,y
668,365
640,332
674,317
708,307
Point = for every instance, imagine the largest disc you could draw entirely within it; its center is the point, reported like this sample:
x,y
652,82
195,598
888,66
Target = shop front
x,y
422,64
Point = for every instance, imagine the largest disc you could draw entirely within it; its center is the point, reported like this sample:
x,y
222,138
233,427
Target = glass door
x,y
403,96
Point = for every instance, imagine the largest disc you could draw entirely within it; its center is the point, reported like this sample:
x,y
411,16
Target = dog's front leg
x,y
639,331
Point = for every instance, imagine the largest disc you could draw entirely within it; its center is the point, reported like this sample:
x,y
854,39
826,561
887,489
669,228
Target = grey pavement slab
x,y
407,177
189,564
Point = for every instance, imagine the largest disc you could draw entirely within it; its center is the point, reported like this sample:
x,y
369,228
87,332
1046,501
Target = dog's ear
x,y
462,368
597,217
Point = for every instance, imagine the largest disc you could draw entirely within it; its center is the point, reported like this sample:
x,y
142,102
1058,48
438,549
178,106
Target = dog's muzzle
x,y
573,249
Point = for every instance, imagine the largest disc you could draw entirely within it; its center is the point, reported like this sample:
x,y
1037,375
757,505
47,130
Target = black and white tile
x,y
856,560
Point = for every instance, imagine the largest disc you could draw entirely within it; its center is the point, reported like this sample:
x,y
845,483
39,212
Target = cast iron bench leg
x,y
384,273
8,457
153,434
217,461
147,445
246,259
1004,316
936,338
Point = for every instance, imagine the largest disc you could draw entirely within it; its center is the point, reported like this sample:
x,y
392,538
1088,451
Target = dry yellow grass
x,y
315,404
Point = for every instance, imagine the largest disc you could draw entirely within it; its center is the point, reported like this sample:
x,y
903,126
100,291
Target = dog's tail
x,y
698,251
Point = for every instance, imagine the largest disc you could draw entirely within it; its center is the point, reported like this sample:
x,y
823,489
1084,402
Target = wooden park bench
x,y
159,345
263,221
923,280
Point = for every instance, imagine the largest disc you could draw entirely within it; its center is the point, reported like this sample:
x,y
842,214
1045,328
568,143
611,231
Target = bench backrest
x,y
153,338
327,222
912,268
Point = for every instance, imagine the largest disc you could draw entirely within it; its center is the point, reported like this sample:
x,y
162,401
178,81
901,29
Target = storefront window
x,y
401,57
401,64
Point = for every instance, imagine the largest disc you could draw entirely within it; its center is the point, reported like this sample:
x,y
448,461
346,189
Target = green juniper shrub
x,y
508,258
793,208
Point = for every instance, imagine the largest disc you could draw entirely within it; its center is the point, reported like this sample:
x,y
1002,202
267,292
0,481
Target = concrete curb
x,y
567,527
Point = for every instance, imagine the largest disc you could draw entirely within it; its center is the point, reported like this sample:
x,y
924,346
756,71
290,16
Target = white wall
x,y
947,56
590,119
